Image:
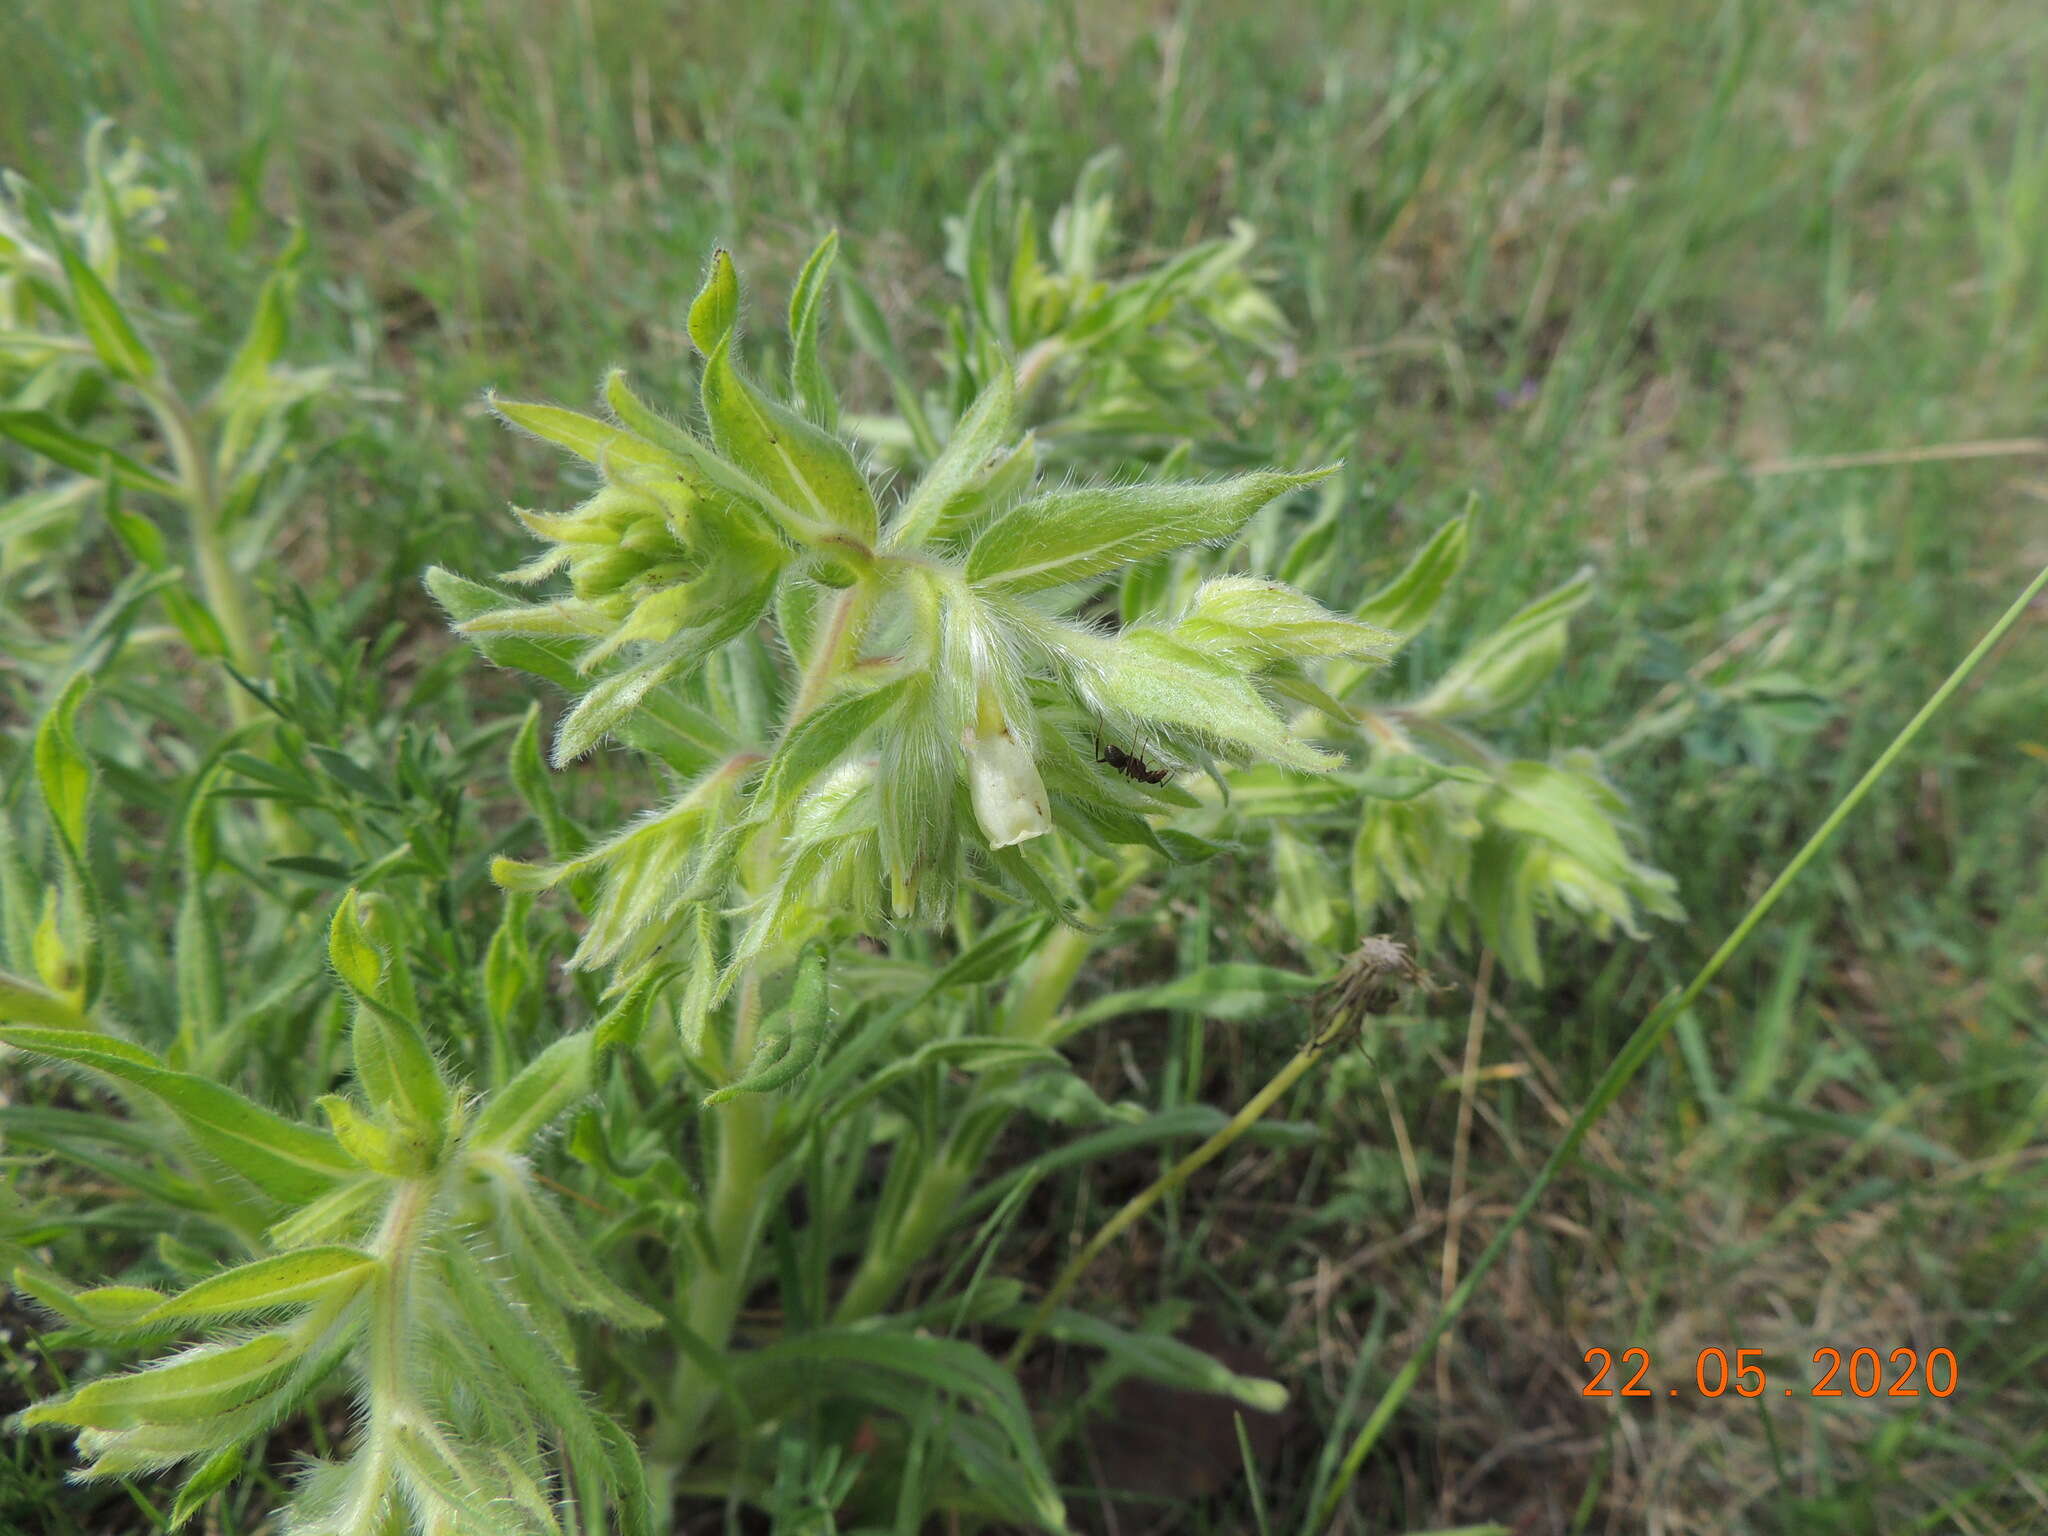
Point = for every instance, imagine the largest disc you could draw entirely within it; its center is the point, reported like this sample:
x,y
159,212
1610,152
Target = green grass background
x,y
1611,266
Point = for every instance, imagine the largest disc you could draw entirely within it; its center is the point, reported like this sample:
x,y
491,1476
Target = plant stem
x,y
837,646
1641,1045
717,1286
923,1220
711,1300
1253,1111
224,590
396,1247
1032,1011
1033,364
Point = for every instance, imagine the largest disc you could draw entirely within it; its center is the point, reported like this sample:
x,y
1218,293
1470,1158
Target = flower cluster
x,y
942,696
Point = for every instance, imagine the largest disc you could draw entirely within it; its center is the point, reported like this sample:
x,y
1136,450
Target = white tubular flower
x,y
1009,797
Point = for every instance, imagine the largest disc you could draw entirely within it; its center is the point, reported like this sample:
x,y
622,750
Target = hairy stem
x,y
226,594
711,1299
396,1247
224,589
837,646
1032,365
716,1287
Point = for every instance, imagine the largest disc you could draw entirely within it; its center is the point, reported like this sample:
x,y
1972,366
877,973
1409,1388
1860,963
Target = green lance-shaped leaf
x,y
674,832
289,1161
214,1474
536,787
452,1483
715,312
1575,811
636,415
557,1257
609,447
592,1441
40,432
26,1002
957,1053
546,1086
211,1379
396,1152
804,467
63,770
818,741
996,954
1400,775
807,378
977,254
1510,664
392,1060
137,531
696,955
976,442
1009,475
791,1040
1237,991
104,1309
335,1216
1146,676
463,600
511,975
683,737
154,1447
194,620
1076,535
266,1285
879,1365
201,982
269,325
1405,604
864,319
1307,899
612,705
1251,621
1156,1357
100,315
916,790
1505,883
1081,227
624,1019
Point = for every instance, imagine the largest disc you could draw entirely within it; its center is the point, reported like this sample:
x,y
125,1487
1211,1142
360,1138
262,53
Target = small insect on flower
x,y
1129,764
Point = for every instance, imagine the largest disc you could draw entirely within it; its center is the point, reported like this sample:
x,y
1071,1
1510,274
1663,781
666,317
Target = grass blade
x,y
1639,1047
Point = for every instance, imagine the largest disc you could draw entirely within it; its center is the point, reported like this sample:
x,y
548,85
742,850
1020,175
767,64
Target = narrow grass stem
x,y
1254,1111
1641,1045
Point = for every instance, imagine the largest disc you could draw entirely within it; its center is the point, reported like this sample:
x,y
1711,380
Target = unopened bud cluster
x,y
943,707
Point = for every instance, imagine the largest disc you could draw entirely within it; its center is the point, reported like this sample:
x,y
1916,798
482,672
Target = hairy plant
x,y
89,394
910,732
